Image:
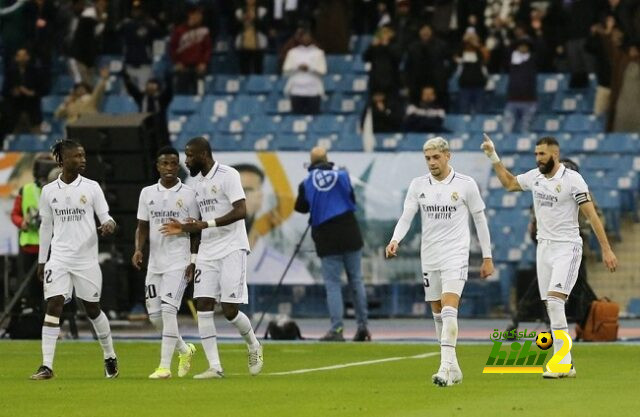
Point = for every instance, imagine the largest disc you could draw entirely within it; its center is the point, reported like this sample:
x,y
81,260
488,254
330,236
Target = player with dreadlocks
x,y
67,209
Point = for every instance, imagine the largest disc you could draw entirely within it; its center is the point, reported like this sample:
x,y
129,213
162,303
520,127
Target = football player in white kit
x,y
558,193
67,207
445,199
171,258
221,272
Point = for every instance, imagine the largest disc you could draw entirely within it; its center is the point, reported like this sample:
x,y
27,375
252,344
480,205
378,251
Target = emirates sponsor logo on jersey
x,y
70,214
208,204
545,200
439,212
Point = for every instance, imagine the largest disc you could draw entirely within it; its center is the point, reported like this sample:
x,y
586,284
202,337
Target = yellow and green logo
x,y
521,358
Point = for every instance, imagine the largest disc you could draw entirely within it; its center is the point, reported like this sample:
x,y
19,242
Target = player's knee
x,y
436,306
205,304
55,305
230,311
92,309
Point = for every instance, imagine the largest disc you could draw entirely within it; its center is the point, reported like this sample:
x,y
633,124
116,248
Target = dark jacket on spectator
x,y
385,65
85,45
522,81
424,118
137,40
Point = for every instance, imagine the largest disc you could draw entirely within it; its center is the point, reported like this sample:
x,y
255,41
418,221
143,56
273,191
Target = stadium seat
x,y
346,104
550,83
485,123
197,124
388,142
231,125
263,124
50,104
225,84
413,142
327,124
270,64
224,63
228,143
278,104
457,122
216,106
359,66
26,143
260,84
339,64
348,143
497,84
331,82
119,105
62,85
626,143
569,102
583,123
291,142
353,84
517,144
185,105
296,124
547,123
248,105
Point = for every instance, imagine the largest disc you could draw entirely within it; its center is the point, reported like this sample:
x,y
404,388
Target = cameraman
x,y
327,194
25,216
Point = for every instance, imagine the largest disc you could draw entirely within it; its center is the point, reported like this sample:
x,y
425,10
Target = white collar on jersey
x,y
559,173
75,183
212,171
445,181
176,187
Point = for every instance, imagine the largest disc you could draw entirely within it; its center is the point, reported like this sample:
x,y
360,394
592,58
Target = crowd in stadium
x,y
416,52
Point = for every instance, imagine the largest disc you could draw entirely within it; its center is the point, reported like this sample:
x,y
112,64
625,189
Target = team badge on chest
x,y
83,199
454,196
558,188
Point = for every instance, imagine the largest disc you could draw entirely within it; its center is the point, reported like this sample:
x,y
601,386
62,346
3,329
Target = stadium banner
x,y
271,181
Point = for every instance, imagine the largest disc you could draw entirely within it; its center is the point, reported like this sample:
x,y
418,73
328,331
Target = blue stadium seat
x,y
270,64
259,141
348,143
113,62
278,104
327,124
517,144
339,64
228,143
586,143
583,123
485,123
260,84
230,125
346,104
547,123
197,125
62,85
263,125
550,83
216,106
413,142
27,143
291,142
359,66
225,84
353,84
570,102
331,82
388,142
363,43
185,105
296,124
50,104
497,84
609,202
606,162
457,122
459,142
626,143
224,63
244,105
119,105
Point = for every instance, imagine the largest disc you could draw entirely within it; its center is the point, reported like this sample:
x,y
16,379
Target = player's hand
x,y
172,228
392,249
609,259
487,145
188,273
107,228
487,269
40,272
136,260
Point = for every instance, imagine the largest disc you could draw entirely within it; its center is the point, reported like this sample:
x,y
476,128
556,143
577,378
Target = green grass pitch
x,y
606,383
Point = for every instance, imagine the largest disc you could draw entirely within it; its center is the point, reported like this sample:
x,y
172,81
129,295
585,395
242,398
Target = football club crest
x,y
214,189
179,203
454,196
558,188
83,199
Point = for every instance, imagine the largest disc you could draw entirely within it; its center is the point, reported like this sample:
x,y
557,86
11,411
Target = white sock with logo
x,y
243,324
169,335
449,335
155,318
207,329
103,331
558,318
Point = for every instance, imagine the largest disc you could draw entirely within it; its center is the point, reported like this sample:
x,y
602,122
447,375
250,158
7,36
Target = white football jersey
x,y
215,194
556,201
444,212
157,206
71,207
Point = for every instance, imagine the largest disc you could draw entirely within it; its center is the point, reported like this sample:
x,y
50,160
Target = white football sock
x,y
169,334
156,319
437,319
207,329
449,335
243,324
558,318
103,331
49,339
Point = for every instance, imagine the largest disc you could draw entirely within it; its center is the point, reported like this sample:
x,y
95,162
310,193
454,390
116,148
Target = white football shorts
x,y
223,279
60,279
557,266
438,282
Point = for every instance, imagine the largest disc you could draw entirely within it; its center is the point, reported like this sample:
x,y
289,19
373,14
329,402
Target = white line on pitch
x,y
349,365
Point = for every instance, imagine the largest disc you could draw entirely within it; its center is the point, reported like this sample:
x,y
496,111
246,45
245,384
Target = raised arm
x,y
507,179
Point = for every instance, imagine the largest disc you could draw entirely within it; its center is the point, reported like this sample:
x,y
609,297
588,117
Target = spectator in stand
x,y
405,24
13,36
428,63
600,45
137,33
472,73
190,49
42,22
499,19
386,113
333,26
22,96
251,40
425,116
305,65
625,90
86,42
82,100
521,88
68,18
384,56
153,99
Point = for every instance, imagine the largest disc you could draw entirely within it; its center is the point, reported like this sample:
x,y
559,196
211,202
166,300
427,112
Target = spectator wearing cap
x,y
190,49
521,88
305,65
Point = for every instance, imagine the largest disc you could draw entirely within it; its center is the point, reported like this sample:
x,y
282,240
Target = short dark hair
x,y
570,164
201,143
250,168
62,145
548,140
167,150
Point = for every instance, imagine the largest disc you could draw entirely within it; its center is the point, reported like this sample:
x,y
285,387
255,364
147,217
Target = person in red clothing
x,y
190,50
25,216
